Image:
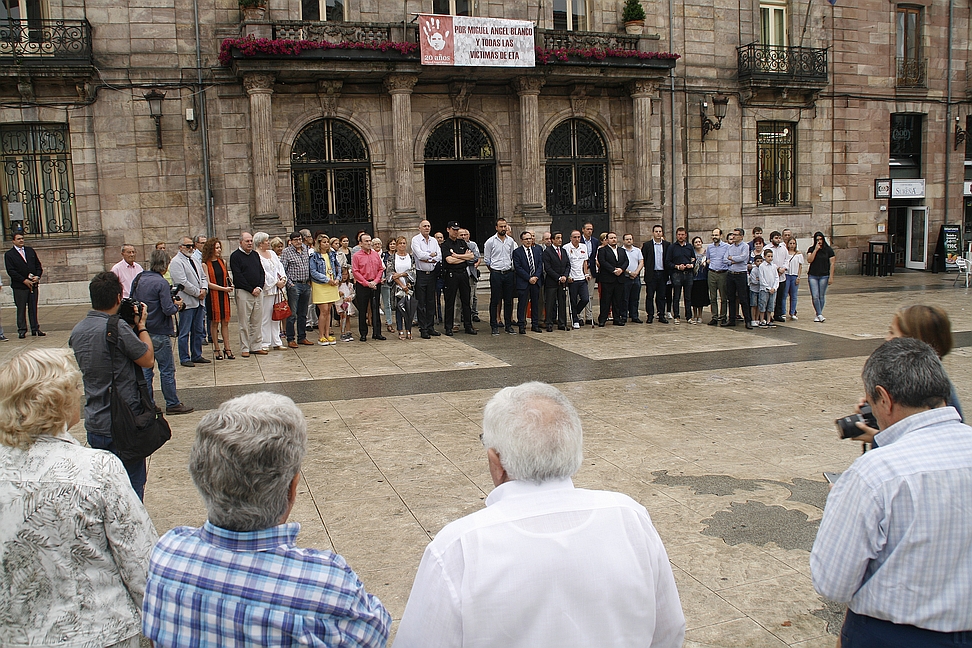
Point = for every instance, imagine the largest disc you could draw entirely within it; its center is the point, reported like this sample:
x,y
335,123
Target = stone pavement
x,y
723,434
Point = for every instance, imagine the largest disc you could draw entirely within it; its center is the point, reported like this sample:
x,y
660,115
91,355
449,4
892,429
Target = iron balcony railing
x,y
779,63
39,41
910,73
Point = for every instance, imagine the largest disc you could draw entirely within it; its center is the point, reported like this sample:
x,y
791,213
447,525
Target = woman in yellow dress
x,y
325,276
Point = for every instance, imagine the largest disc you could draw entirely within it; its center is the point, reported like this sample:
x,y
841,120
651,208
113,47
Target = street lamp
x,y
960,133
720,103
154,99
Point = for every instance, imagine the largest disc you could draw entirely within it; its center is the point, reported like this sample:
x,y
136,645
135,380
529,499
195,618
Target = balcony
x,y
776,73
335,32
45,42
557,39
910,73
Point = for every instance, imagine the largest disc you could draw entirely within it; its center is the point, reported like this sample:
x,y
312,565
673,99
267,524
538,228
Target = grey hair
x,y
127,245
911,372
536,432
159,261
245,457
259,238
195,239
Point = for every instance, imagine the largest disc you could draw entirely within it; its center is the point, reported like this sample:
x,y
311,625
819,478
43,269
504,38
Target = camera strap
x,y
131,291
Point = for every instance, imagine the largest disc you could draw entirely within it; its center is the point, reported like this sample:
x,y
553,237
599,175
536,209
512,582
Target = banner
x,y
953,245
469,41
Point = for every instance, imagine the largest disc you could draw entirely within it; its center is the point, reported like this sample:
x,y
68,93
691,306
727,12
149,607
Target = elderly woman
x,y
75,540
275,279
400,277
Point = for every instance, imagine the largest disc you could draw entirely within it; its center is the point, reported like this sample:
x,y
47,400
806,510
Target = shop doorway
x,y
460,179
908,233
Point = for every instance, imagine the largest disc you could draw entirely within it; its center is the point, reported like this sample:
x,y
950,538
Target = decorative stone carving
x,y
258,82
528,85
400,83
26,89
643,87
579,94
459,91
328,92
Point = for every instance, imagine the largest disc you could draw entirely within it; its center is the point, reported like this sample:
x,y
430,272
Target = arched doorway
x,y
576,177
460,178
331,171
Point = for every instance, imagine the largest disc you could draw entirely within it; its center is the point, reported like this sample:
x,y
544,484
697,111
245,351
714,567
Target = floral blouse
x,y
75,543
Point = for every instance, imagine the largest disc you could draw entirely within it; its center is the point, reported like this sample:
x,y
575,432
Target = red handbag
x,y
281,309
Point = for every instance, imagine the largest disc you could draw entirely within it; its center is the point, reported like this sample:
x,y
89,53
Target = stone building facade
x,y
357,134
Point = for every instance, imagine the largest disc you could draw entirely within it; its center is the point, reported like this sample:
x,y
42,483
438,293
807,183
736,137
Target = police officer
x,y
455,257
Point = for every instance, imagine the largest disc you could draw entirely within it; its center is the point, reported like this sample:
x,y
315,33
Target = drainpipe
x,y
671,139
948,111
204,128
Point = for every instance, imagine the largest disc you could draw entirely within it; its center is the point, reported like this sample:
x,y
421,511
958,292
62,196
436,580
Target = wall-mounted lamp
x,y
154,99
960,134
720,103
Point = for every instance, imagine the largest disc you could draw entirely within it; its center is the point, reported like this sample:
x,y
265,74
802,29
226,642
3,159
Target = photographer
x,y
895,535
98,368
151,288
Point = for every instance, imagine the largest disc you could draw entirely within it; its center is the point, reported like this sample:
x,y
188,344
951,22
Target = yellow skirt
x,y
324,293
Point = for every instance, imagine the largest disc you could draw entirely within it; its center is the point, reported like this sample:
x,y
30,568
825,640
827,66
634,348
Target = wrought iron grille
x,y
757,61
59,40
331,174
910,73
576,175
459,139
37,173
775,153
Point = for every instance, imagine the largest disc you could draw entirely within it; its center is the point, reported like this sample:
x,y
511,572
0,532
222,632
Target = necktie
x,y
529,253
558,254
23,253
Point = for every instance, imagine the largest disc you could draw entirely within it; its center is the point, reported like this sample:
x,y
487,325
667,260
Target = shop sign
x,y
882,188
908,188
953,245
471,41
967,188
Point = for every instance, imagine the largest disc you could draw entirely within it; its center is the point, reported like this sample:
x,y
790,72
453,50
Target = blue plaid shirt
x,y
213,587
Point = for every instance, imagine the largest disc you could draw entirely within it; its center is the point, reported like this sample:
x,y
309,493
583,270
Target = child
x,y
754,289
346,308
769,280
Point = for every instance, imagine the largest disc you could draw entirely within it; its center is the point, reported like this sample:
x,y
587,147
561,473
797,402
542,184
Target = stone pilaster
x,y
400,86
528,89
259,87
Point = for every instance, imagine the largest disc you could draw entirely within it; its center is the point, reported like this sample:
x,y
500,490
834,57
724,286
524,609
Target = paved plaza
x,y
722,434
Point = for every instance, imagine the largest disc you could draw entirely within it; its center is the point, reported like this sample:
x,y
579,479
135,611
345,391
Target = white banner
x,y
469,41
908,188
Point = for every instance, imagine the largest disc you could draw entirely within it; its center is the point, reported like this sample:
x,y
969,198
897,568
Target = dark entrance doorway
x,y
576,178
460,178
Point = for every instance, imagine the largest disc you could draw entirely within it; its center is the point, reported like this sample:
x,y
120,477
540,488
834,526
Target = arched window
x,y
458,139
576,178
332,176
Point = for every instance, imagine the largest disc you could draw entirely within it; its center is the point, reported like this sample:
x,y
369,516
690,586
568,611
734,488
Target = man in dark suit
x,y
611,264
556,267
24,269
656,276
528,267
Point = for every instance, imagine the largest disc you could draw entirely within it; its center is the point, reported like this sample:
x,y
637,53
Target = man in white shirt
x,y
632,287
427,255
780,260
126,270
545,564
498,256
578,275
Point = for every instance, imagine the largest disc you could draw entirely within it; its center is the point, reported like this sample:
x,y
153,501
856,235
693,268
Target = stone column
x,y
400,86
640,206
528,89
259,86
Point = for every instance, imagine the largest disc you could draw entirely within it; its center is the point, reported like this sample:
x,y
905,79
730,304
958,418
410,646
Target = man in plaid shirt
x,y
240,579
297,268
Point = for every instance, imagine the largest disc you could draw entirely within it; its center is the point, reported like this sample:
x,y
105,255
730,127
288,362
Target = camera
x,y
129,310
175,290
846,428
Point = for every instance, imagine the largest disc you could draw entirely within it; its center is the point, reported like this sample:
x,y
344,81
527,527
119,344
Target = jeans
x,y
386,303
298,296
192,323
135,468
501,286
791,292
682,281
163,357
818,291
861,631
579,298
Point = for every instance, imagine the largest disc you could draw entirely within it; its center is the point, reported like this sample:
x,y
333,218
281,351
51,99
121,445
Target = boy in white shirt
x,y
769,281
754,288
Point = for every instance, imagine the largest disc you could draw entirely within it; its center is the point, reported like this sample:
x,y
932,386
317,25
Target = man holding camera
x,y
186,272
895,542
154,291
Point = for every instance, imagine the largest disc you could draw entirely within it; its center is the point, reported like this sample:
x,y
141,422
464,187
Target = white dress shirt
x,y
895,542
422,250
545,565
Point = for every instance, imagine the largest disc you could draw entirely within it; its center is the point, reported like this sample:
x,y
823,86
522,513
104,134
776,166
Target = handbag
x,y
281,308
135,436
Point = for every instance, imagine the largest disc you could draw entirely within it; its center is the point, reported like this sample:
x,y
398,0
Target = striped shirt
x,y
214,587
895,542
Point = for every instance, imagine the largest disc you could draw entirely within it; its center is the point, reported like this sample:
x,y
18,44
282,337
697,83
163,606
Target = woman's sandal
x,y
391,329
218,355
229,354
408,336
401,335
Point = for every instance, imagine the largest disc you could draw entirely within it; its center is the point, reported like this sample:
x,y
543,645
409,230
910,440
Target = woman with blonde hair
x,y
76,539
931,325
325,275
275,279
400,277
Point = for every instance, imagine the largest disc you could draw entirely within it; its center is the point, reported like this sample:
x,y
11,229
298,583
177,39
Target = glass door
x,y
917,246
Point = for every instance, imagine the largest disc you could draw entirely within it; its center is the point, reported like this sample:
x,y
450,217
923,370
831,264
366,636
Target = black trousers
x,y
457,281
655,292
26,302
737,285
611,297
529,294
365,296
425,299
555,301
780,292
501,285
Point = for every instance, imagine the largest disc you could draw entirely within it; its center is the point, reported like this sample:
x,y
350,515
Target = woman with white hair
x,y
74,538
275,280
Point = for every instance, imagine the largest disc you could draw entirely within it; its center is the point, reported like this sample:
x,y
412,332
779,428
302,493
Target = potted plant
x,y
253,10
633,17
